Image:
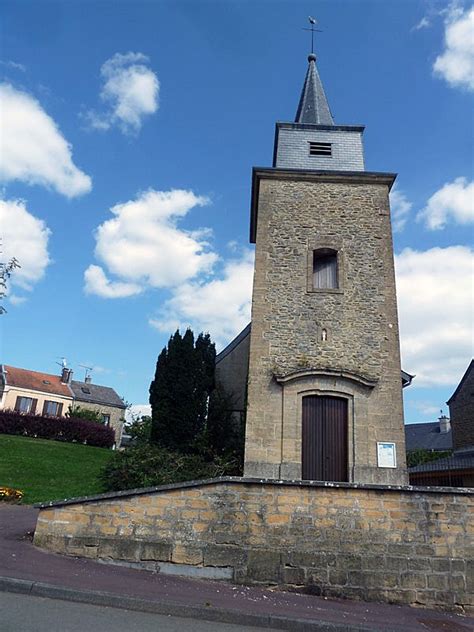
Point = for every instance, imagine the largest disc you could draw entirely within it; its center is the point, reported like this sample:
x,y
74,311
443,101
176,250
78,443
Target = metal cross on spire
x,y
313,30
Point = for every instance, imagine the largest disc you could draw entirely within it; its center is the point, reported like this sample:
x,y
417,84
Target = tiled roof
x,y
36,381
96,394
313,107
427,436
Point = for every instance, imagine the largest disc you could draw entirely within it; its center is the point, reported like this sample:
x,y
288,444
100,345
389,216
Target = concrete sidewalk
x,y
26,569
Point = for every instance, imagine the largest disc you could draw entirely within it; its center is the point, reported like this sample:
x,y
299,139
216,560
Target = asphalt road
x,y
26,613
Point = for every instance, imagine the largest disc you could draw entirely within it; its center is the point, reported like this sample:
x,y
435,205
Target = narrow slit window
x,y
320,149
325,269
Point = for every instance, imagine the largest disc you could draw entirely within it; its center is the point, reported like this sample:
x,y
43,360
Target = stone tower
x,y
324,388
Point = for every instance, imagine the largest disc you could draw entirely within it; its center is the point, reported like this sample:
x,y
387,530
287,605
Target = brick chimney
x,y
88,379
66,375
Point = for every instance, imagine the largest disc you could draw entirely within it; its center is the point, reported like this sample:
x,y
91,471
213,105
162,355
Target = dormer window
x,y
325,269
320,149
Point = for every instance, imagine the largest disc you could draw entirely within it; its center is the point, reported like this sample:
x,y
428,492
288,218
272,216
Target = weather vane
x,y
313,30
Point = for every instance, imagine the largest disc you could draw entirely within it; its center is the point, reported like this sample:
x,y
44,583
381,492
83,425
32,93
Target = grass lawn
x,y
50,470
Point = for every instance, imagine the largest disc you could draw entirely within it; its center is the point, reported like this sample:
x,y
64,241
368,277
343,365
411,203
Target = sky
x,y
129,131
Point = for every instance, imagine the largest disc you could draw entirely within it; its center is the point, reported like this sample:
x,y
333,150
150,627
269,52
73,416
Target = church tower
x,y
324,388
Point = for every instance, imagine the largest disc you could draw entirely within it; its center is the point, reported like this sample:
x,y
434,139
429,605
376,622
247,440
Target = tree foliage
x,y
193,432
84,413
421,455
179,393
6,269
139,428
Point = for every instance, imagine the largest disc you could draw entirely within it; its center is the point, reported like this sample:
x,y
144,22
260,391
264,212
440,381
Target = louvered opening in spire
x,y
313,108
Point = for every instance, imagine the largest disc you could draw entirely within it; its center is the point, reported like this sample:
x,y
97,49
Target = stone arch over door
x,y
353,389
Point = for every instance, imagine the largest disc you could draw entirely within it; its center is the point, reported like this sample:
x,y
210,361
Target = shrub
x,y
146,465
8,494
76,412
58,428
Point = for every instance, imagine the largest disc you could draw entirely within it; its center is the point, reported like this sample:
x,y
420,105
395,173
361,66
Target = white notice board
x,y
386,454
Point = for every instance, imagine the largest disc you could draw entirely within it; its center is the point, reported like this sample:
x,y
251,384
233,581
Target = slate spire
x,y
313,107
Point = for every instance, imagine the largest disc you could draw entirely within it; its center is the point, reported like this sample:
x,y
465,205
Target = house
x,y
101,399
44,394
456,470
33,392
323,397
434,436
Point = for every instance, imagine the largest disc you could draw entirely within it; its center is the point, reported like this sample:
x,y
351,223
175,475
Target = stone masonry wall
x,y
117,416
402,545
298,213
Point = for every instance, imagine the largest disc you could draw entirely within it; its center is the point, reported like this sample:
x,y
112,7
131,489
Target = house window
x,y
53,409
25,404
325,269
106,419
320,149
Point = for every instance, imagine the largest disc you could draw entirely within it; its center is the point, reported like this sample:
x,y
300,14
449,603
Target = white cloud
x,y
14,299
130,92
96,282
456,63
24,237
400,209
220,306
33,148
424,23
143,246
435,298
136,411
427,409
13,64
455,201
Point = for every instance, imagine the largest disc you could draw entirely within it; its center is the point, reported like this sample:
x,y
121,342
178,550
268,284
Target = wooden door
x,y
324,439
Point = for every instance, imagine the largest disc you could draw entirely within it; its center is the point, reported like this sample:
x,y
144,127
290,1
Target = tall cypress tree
x,y
205,352
179,394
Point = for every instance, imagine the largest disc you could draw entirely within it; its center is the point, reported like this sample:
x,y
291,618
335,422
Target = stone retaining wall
x,y
396,544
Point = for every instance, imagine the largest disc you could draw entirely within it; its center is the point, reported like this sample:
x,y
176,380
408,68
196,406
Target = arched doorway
x,y
324,439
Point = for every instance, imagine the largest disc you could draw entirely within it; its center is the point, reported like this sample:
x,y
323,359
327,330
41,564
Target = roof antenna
x,y
313,30
88,371
63,363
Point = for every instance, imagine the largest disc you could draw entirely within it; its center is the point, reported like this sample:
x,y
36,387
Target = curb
x,y
206,613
